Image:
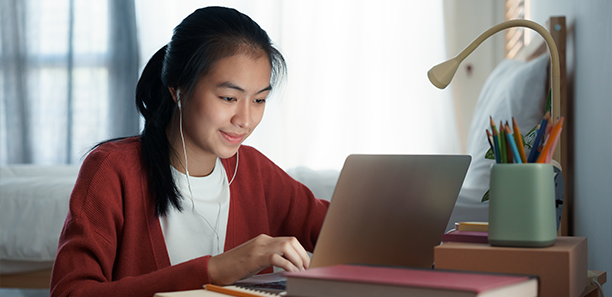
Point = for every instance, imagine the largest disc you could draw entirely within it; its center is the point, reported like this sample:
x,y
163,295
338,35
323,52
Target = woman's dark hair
x,y
203,38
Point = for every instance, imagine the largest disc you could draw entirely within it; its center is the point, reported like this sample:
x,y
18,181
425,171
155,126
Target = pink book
x,y
361,280
466,236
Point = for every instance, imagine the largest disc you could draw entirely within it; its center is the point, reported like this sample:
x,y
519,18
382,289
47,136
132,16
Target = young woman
x,y
184,204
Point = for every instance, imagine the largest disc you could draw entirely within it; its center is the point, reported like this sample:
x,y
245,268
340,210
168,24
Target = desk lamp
x,y
522,204
442,74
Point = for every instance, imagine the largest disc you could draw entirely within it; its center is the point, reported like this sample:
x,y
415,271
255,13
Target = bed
x,y
34,199
33,206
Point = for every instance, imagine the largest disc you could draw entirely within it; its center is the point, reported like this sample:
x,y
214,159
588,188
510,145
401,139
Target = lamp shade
x,y
442,74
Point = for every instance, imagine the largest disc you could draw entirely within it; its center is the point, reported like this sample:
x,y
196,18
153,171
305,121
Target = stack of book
x,y
475,232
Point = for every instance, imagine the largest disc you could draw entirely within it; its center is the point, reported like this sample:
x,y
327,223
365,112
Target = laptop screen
x,y
390,209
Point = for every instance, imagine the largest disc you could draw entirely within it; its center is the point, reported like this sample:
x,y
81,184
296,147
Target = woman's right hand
x,y
256,254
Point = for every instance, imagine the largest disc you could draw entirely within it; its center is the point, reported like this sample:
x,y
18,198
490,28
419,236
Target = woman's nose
x,y
242,116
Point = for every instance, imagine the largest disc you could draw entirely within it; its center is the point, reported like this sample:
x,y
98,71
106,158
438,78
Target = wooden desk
x,y
27,280
591,290
562,268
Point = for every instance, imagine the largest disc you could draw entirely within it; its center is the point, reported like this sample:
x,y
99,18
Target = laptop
x,y
389,210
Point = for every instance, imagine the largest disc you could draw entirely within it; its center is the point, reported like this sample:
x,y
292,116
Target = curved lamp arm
x,y
442,74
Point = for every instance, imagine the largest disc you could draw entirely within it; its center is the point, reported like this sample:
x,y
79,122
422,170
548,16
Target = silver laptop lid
x,y
390,209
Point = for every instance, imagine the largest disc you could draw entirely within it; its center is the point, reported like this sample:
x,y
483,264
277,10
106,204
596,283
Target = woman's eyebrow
x,y
231,85
268,88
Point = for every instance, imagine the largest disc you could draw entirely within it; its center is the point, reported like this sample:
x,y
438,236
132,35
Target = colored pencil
x,y
509,154
519,141
549,129
502,144
533,154
554,134
229,291
515,153
545,135
551,152
495,141
491,141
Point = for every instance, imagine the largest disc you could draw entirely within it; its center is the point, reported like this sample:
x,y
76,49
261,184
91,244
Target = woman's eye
x,y
228,99
260,101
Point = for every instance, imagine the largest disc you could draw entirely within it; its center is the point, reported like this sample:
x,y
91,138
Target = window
x,y
517,37
56,88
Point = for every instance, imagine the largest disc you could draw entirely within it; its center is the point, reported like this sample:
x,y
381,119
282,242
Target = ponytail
x,y
155,103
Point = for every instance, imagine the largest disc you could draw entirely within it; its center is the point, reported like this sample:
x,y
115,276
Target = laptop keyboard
x,y
270,287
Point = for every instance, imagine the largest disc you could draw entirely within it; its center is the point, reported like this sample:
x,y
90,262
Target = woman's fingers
x,y
288,248
295,253
256,254
302,253
282,262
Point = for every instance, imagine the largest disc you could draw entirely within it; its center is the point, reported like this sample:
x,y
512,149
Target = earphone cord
x,y
189,184
235,169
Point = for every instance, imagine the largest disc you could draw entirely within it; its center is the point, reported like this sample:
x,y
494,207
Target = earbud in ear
x,y
178,98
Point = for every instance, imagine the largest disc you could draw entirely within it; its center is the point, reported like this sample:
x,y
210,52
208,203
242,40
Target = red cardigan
x,y
112,243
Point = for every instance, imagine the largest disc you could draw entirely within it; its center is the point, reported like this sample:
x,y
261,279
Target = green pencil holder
x,y
522,210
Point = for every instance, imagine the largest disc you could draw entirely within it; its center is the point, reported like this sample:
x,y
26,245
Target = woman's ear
x,y
174,94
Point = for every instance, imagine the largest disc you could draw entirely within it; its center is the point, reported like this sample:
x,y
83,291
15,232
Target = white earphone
x,y
178,98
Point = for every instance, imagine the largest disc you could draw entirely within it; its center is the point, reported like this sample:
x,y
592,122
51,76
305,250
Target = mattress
x,y
33,207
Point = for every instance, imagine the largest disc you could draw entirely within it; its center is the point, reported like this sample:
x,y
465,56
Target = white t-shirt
x,y
200,228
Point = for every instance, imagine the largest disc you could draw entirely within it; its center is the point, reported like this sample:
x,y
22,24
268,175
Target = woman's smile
x,y
233,138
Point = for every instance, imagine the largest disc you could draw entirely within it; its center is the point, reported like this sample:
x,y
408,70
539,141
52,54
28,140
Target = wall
x,y
464,21
590,69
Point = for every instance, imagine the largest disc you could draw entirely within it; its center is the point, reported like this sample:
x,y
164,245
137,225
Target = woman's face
x,y
226,106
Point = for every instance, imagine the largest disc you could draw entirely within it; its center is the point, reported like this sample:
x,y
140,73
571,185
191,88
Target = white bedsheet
x,y
33,207
321,182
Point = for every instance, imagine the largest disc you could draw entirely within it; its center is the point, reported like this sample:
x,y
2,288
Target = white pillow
x,y
514,89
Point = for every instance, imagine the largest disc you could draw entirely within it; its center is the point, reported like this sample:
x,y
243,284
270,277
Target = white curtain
x,y
67,77
357,78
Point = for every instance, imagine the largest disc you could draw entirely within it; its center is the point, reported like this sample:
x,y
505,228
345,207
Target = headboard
x,y
564,107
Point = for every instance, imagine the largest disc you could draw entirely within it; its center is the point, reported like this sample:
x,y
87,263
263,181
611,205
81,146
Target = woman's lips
x,y
233,138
